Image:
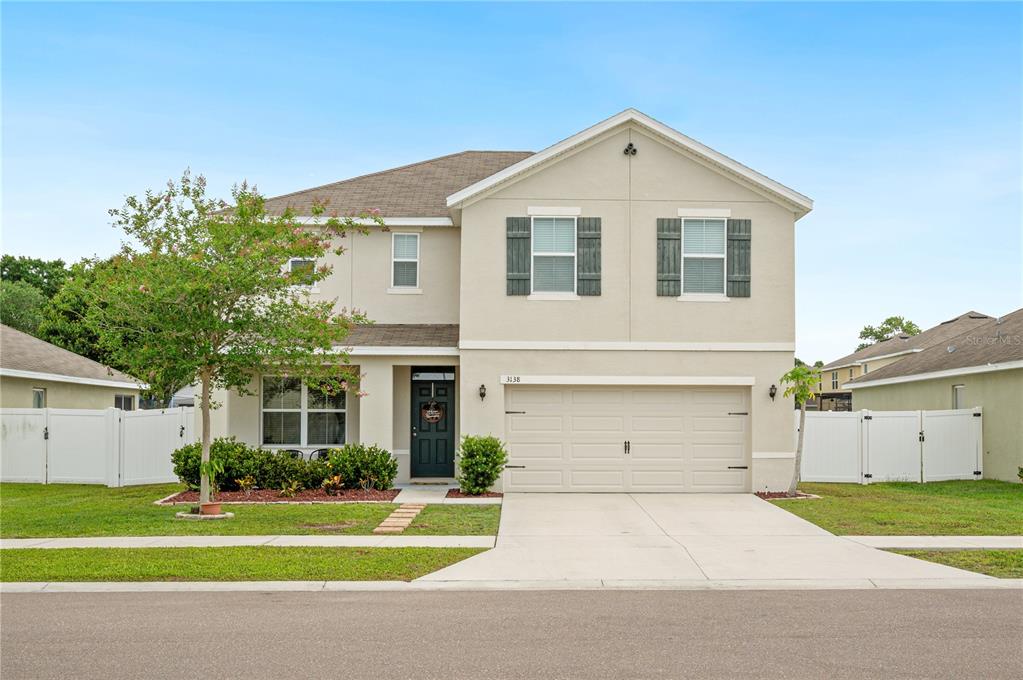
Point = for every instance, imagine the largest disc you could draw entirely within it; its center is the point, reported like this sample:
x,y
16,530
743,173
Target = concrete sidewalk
x,y
940,542
226,541
437,494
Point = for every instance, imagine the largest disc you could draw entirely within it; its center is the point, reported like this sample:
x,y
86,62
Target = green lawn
x,y
36,511
958,508
999,563
469,520
227,564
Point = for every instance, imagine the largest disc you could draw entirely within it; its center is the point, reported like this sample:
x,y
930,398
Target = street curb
x,y
980,583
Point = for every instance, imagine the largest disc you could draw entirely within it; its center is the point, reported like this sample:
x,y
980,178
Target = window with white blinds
x,y
295,414
553,255
405,260
703,256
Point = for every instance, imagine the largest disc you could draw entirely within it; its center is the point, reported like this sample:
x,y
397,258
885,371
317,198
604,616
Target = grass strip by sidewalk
x,y
261,563
998,563
456,520
958,508
57,510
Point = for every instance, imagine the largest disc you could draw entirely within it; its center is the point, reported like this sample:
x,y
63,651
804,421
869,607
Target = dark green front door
x,y
433,428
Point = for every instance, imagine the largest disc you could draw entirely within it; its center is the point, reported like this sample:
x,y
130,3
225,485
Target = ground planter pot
x,y
211,508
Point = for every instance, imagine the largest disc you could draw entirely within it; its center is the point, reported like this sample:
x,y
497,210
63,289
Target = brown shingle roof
x,y
403,335
904,343
22,352
417,190
994,342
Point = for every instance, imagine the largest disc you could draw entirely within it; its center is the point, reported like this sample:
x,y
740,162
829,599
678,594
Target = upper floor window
x,y
834,380
553,255
125,402
850,374
297,414
303,270
405,260
703,256
865,367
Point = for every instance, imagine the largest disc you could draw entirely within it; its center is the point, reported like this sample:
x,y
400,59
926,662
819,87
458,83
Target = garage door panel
x,y
641,424
572,438
583,451
539,451
527,424
535,480
714,452
585,424
657,480
595,478
653,451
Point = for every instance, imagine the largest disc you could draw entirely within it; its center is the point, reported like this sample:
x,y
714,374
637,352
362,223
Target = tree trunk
x,y
204,406
799,449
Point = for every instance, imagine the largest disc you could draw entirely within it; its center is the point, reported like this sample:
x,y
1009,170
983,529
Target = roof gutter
x,y
860,362
56,377
388,221
934,375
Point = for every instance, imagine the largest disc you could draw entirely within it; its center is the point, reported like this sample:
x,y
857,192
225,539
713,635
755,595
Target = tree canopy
x,y
889,328
21,306
45,275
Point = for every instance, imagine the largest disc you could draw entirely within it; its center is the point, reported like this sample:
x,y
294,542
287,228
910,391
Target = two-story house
x,y
618,308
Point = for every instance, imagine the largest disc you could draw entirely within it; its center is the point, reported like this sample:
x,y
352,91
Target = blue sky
x,y
903,121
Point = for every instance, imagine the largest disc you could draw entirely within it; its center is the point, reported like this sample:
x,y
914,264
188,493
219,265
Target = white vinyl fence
x,y
86,446
891,446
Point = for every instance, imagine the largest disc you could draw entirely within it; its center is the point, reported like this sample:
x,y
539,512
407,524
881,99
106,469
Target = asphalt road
x,y
581,634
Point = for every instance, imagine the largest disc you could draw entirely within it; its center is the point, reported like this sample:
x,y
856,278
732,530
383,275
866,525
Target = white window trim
x,y
311,287
555,295
123,397
36,390
703,297
303,424
956,389
408,289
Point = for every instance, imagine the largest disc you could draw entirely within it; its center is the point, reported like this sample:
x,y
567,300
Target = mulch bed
x,y
768,495
304,496
457,493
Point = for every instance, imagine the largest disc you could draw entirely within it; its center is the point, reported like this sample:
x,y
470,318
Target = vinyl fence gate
x,y
892,446
92,446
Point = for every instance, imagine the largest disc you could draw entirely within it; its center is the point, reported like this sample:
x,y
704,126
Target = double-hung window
x,y
703,257
834,380
405,260
302,270
298,414
553,255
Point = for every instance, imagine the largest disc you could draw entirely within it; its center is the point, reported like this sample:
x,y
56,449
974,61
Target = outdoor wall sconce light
x,y
483,392
772,391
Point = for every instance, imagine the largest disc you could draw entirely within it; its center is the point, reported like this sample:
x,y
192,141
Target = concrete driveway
x,y
674,537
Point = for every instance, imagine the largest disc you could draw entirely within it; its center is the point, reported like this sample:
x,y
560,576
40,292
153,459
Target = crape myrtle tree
x,y
201,293
801,383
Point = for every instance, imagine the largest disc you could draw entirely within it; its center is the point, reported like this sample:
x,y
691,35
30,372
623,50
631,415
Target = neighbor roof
x,y
403,335
792,198
995,344
416,190
21,353
905,344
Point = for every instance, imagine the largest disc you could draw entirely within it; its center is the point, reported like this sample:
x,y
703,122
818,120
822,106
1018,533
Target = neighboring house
x,y
834,395
616,308
980,367
36,374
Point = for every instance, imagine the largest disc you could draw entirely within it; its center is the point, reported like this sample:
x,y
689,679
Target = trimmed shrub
x,y
480,462
277,469
363,467
235,457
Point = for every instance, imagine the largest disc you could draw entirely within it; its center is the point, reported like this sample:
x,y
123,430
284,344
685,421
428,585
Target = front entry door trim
x,y
432,436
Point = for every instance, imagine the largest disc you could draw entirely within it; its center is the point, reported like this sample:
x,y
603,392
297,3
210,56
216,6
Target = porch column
x,y
376,419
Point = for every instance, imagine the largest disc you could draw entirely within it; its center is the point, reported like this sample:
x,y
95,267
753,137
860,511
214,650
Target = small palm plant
x,y
802,380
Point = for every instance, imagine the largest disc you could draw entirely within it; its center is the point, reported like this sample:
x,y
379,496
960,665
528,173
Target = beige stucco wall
x,y
361,277
17,393
1000,394
628,193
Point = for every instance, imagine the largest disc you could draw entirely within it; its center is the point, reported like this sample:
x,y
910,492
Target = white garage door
x,y
636,439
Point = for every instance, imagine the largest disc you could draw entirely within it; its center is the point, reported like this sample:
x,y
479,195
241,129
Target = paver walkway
x,y
222,541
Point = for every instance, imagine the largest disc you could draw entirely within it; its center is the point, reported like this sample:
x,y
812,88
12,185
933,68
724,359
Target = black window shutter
x,y
669,257
738,257
587,237
518,231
